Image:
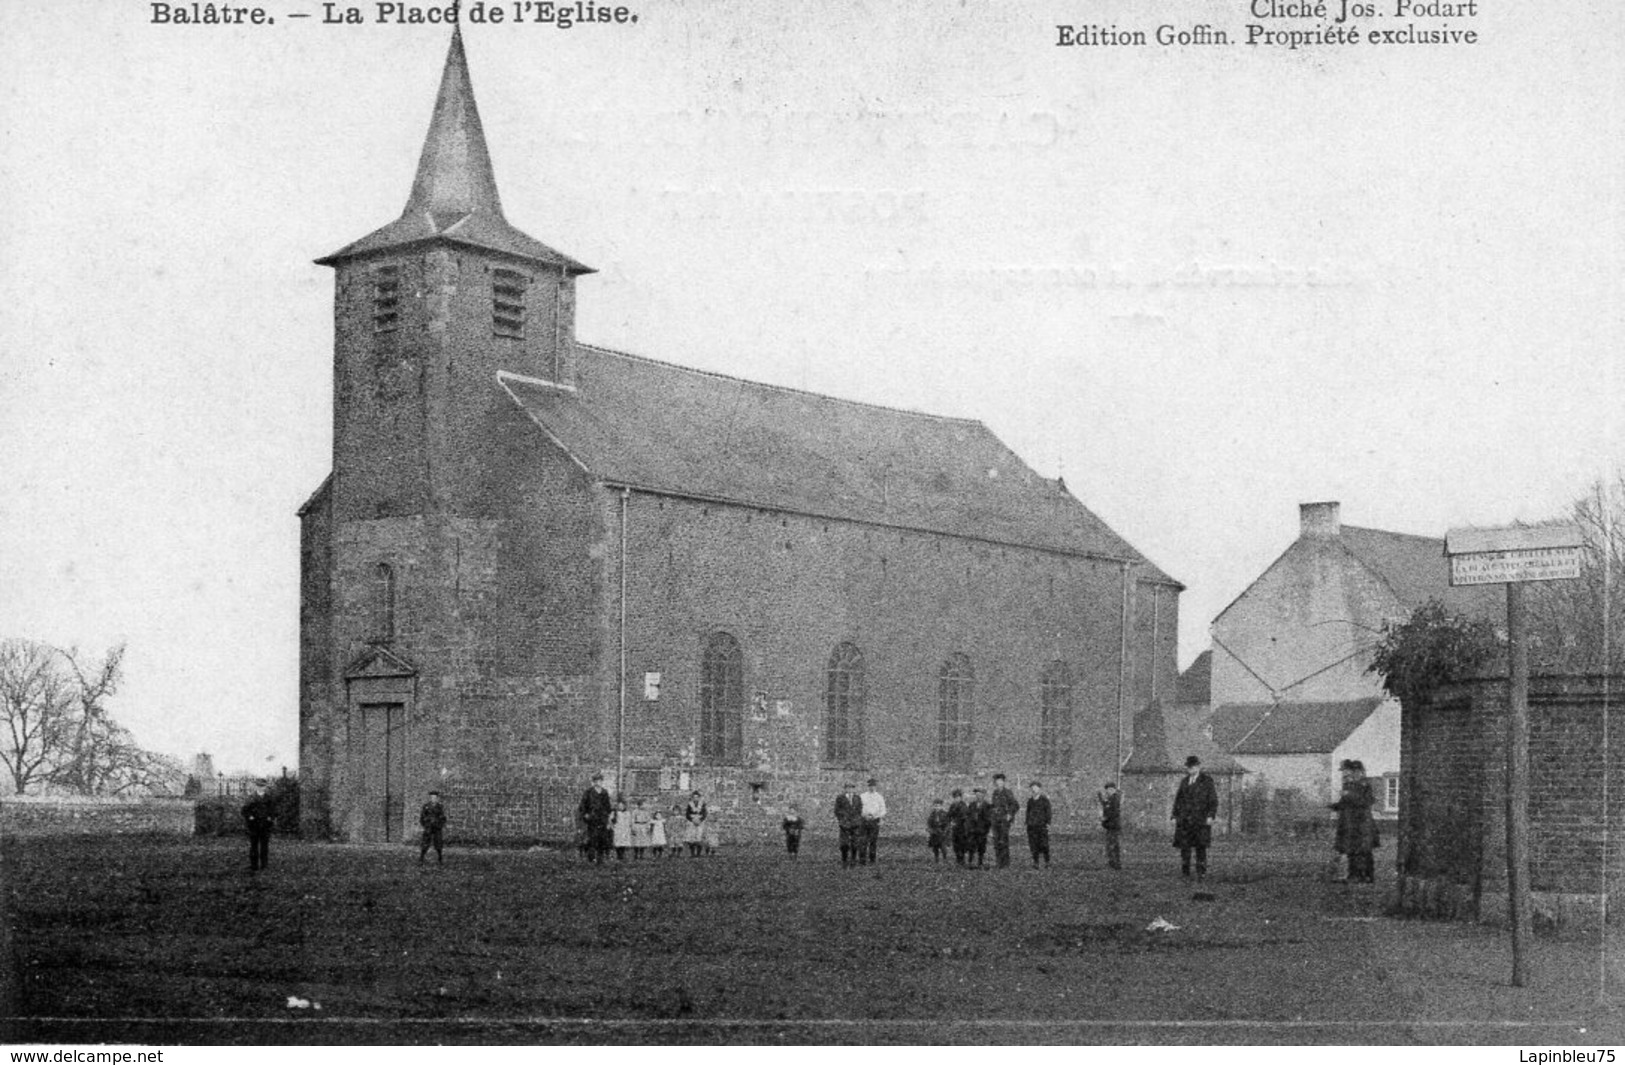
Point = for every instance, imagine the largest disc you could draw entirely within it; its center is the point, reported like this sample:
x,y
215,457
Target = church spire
x,y
454,175
454,194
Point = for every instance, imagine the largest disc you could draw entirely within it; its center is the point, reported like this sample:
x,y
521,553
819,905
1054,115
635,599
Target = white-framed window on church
x,y
1055,718
843,706
383,603
508,303
386,297
956,694
722,700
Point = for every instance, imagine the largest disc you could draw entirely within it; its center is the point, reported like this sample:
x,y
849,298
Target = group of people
x,y
605,825
962,825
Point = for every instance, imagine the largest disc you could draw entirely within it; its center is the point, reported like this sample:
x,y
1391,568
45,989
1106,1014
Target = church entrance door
x,y
383,772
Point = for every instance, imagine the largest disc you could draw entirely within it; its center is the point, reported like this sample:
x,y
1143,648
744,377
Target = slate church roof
x,y
656,426
454,194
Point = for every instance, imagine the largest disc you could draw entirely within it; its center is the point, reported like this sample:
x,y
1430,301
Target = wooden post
x,y
1517,810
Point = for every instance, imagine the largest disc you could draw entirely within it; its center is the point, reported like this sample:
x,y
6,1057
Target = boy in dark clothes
x,y
1111,819
958,825
936,829
980,817
259,815
432,819
792,831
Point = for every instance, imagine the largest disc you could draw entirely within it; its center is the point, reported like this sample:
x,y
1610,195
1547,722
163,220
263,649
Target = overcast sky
x,y
1204,284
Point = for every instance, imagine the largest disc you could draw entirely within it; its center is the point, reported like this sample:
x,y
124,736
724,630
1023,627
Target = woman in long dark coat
x,y
1356,828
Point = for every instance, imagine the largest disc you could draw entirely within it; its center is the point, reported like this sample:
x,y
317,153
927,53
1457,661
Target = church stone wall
x,y
790,588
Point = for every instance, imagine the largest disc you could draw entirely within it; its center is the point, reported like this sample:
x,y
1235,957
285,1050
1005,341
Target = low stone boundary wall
x,y
51,815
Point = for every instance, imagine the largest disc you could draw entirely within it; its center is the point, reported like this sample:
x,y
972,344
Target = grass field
x,y
174,941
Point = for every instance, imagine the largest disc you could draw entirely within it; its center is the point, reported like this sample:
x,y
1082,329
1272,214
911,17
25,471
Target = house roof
x,y
1415,569
659,427
1164,736
1196,682
1289,728
454,194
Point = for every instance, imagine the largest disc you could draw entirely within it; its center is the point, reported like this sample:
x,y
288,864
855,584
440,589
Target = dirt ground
x,y
174,941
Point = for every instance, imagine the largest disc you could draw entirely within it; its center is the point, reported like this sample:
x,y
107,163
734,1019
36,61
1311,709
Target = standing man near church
x,y
1005,807
595,810
258,816
1196,804
1038,818
432,819
849,817
874,808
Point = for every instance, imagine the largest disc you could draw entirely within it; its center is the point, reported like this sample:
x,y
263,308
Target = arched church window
x,y
383,603
1055,717
843,706
956,692
722,700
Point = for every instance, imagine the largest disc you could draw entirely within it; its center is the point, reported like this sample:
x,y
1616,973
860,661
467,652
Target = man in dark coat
x,y
849,816
432,820
1038,817
1004,808
978,820
595,810
259,816
1196,804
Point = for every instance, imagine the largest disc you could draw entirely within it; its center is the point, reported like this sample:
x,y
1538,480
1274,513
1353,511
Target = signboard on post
x,y
1513,554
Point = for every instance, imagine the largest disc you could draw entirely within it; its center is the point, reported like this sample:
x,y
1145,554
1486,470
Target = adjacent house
x,y
1290,690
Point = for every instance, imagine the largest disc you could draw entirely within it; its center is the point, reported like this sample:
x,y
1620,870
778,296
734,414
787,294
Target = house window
x,y
386,297
1390,793
508,303
843,706
956,691
383,603
1055,718
722,700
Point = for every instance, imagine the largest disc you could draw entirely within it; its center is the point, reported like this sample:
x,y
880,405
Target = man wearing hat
x,y
1004,807
1196,804
849,817
874,808
595,809
432,818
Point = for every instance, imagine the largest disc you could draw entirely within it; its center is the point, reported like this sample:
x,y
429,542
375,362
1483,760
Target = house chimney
x,y
1318,521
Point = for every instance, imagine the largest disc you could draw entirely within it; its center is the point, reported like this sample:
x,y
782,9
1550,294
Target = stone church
x,y
536,558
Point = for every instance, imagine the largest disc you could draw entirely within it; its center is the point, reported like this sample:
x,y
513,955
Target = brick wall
x,y
1452,850
789,588
29,815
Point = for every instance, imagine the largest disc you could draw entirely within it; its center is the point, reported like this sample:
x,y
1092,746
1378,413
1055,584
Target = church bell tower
x,y
427,310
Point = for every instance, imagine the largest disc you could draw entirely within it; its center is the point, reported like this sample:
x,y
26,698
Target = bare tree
x,y
1577,625
36,708
58,730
